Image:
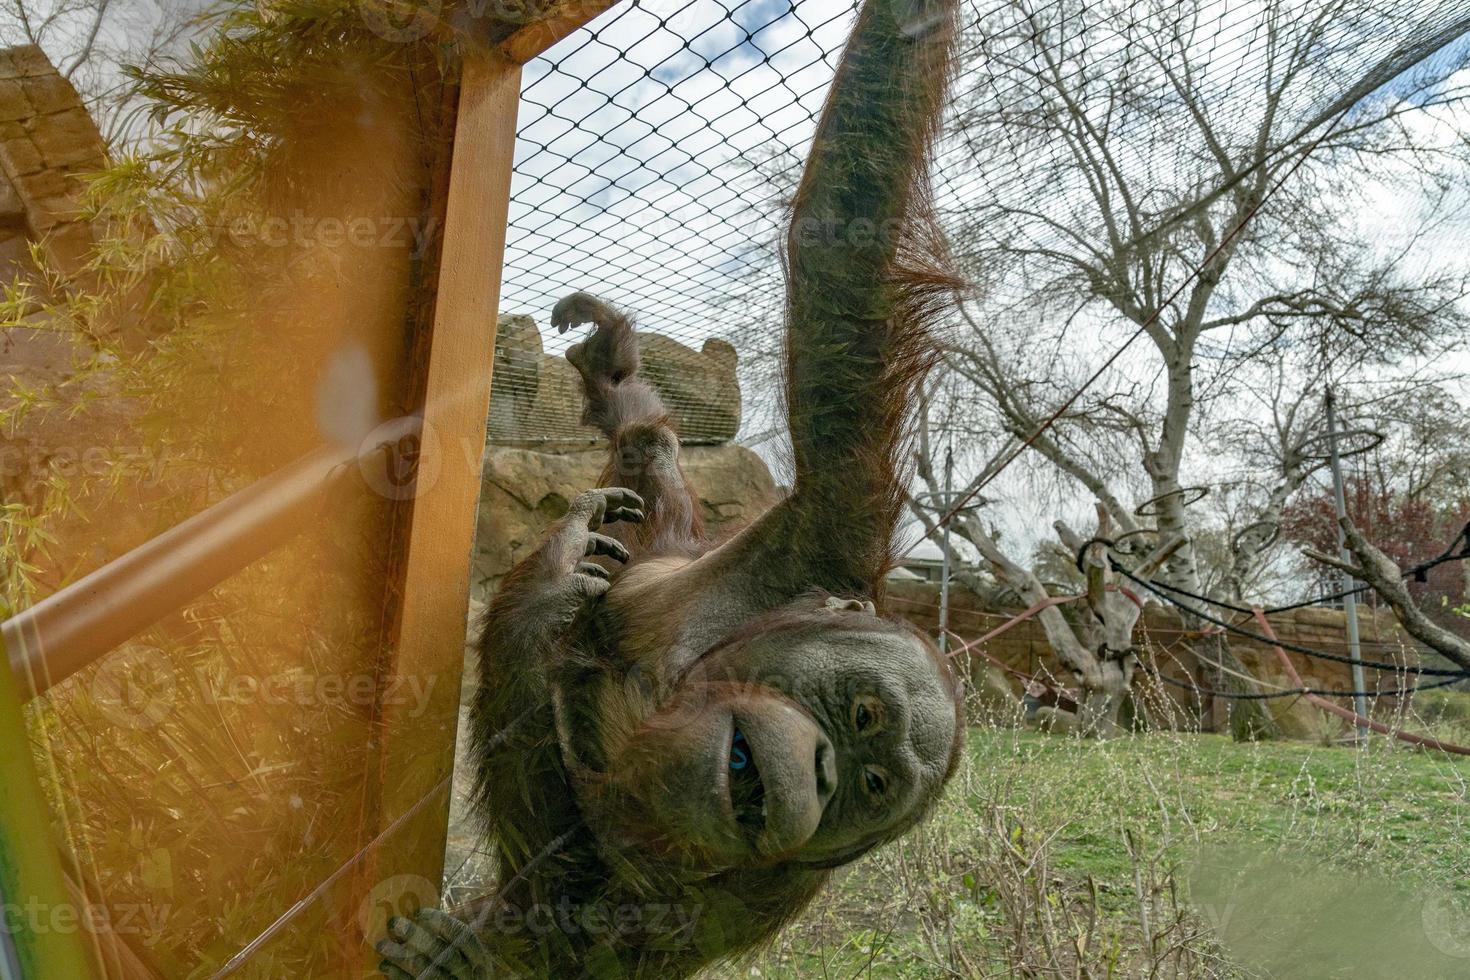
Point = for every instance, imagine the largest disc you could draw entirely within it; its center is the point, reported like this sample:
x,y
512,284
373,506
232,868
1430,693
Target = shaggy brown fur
x,y
866,278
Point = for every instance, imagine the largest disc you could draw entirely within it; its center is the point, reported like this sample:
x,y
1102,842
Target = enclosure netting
x,y
657,146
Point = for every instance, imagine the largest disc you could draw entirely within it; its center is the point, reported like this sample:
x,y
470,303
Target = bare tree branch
x,y
1386,578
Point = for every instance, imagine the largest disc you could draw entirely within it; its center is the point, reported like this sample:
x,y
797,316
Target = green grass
x,y
1268,859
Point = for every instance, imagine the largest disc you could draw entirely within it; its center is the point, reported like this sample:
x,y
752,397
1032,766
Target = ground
x,y
1054,857
1277,859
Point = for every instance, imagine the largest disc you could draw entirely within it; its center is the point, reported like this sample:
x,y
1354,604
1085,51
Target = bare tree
x,y
1387,579
90,41
1157,247
1165,184
1097,650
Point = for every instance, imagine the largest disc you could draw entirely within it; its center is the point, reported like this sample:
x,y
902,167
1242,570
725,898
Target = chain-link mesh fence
x,y
636,177
656,148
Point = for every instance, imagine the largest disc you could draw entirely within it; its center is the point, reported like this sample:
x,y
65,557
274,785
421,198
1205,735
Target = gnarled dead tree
x,y
1380,573
1098,649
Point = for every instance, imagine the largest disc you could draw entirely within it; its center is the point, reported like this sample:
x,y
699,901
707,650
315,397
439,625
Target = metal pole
x,y
69,629
1349,605
944,568
34,944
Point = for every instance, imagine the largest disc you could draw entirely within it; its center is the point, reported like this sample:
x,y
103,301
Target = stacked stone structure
x,y
47,140
525,490
537,397
541,455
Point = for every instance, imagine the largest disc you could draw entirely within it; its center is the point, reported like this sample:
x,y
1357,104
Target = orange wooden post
x,y
417,737
283,717
418,746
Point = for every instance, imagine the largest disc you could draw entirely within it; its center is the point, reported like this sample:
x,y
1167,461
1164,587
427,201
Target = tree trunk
x,y
1248,720
1098,710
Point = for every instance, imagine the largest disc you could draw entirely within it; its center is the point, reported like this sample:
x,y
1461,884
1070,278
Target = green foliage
x,y
1085,827
224,792
157,313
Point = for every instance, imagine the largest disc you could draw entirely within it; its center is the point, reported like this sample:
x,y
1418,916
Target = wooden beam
x,y
417,740
533,39
71,628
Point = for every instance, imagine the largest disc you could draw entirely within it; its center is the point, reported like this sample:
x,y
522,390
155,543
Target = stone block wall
x,y
537,397
525,490
46,140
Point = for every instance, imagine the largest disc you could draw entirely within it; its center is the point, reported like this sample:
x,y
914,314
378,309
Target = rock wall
x,y
537,397
525,490
1024,648
46,140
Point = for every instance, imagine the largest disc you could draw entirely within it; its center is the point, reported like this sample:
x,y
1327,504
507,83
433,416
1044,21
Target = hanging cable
x,y
1458,550
1300,691
1295,647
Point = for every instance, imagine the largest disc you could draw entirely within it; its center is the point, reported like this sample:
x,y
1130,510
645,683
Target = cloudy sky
x,y
634,169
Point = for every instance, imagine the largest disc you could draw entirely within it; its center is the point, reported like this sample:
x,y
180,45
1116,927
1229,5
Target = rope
x,y
286,917
1457,675
1223,668
1015,620
1353,716
1305,691
1419,572
1151,630
1017,672
1152,669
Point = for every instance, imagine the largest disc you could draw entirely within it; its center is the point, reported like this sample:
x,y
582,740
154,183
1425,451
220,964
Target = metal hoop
x,y
1273,527
924,500
1375,439
1191,495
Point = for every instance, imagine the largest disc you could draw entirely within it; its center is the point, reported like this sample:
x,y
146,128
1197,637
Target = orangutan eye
x,y
875,782
867,714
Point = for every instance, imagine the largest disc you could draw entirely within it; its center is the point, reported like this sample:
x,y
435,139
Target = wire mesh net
x,y
633,179
657,146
